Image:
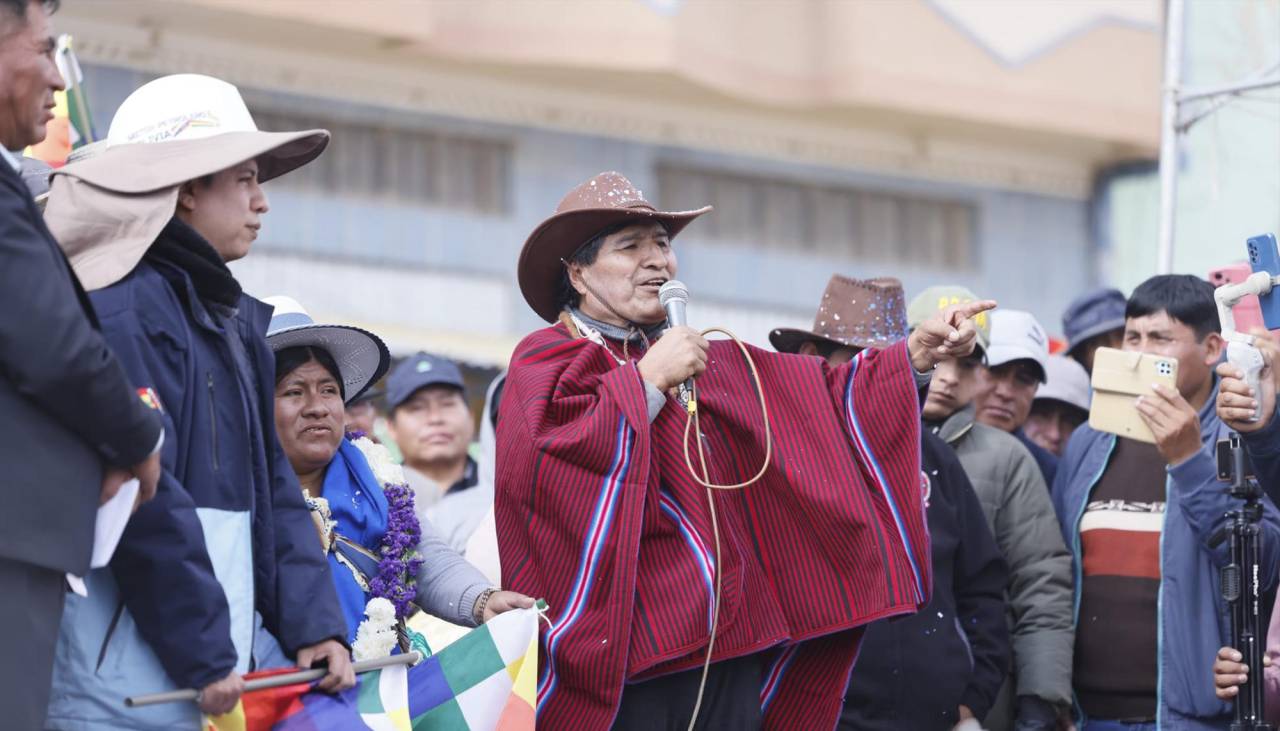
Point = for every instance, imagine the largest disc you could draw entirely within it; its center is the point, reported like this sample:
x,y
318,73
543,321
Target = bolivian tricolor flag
x,y
484,681
71,126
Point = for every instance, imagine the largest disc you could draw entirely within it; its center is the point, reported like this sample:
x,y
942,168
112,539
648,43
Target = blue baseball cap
x,y
419,371
1092,314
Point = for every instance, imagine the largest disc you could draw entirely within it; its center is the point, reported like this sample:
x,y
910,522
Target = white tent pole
x,y
1169,133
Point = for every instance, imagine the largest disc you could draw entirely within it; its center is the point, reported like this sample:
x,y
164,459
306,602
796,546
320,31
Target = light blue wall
x,y
1033,250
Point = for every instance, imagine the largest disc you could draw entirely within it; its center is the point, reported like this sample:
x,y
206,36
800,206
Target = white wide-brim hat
x,y
361,356
172,130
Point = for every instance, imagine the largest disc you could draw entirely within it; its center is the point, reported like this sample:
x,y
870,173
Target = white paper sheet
x,y
107,529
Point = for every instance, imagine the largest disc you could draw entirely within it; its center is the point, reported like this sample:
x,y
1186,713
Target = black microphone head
x,y
673,291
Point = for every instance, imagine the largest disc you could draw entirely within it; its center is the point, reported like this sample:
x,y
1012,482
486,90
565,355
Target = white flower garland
x,y
376,636
385,469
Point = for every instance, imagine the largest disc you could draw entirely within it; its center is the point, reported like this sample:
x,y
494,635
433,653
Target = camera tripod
x,y
1240,586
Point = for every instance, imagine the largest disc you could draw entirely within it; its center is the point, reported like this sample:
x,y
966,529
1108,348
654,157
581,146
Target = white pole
x,y
1169,134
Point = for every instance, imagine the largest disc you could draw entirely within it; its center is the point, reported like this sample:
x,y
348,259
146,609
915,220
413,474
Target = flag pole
x,y
274,681
76,90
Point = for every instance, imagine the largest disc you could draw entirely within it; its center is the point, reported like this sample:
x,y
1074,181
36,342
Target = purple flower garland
x,y
398,568
399,563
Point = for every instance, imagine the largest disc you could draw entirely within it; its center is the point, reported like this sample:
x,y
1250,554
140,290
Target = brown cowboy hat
x,y
854,313
604,201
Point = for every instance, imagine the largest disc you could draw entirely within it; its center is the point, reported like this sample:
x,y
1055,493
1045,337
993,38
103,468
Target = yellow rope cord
x,y
693,423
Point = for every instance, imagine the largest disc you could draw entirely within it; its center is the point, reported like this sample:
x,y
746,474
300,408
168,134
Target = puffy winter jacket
x,y
227,532
957,647
1016,502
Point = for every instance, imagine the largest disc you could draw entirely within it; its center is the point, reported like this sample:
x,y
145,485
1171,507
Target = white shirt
x,y
14,162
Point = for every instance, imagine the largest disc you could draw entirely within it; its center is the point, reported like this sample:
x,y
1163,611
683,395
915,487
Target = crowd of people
x,y
897,519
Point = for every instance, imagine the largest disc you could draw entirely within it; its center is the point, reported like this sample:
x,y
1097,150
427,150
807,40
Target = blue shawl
x,y
359,508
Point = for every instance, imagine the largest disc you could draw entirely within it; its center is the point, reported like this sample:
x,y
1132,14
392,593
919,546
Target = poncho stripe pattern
x,y
598,513
864,451
600,523
701,553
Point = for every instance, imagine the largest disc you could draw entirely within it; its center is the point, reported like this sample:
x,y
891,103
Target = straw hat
x,y
594,206
361,356
107,209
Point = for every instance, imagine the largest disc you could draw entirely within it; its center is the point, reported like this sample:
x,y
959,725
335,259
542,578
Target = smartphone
x,y
1119,378
1248,312
1265,257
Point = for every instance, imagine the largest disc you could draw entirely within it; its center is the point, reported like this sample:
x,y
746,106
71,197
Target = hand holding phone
x,y
1119,378
1239,399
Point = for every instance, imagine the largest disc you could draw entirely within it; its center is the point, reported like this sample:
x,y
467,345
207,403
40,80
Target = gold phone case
x,y
1119,378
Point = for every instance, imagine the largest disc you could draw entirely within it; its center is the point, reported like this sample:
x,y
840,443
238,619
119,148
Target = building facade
x,y
932,140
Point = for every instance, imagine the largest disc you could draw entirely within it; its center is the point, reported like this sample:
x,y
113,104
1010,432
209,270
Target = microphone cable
x,y
693,424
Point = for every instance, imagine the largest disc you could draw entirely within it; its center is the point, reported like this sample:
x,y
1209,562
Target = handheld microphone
x,y
673,296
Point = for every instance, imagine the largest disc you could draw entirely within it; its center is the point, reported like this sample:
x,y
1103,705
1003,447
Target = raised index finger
x,y
959,313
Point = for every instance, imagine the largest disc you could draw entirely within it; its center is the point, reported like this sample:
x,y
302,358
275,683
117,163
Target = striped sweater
x,y
598,514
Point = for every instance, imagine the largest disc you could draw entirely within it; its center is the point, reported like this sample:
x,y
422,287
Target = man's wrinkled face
x,y
227,210
1052,422
952,387
28,77
1159,334
630,268
1006,392
433,426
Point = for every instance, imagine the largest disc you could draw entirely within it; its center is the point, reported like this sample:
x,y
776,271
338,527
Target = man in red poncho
x,y
599,512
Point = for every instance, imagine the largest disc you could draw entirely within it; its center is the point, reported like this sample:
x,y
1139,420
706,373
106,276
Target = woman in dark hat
x,y
599,511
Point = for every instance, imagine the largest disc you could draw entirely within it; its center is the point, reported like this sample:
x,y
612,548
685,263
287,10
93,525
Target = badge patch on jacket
x,y
149,397
926,487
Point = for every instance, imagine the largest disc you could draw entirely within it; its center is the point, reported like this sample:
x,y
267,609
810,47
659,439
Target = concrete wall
x,y
427,275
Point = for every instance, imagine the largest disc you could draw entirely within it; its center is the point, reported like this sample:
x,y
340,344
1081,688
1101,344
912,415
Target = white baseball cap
x,y
1017,335
1068,382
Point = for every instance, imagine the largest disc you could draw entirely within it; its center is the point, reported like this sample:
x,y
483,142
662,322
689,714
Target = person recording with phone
x,y
1237,403
701,560
1141,520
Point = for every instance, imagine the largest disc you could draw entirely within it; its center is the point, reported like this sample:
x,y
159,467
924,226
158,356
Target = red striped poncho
x,y
598,514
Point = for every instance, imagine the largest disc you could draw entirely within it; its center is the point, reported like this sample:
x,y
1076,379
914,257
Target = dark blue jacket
x,y
915,672
1263,448
1045,460
1191,614
227,534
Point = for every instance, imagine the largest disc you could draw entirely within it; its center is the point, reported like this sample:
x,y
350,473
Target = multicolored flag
x,y
484,681
71,126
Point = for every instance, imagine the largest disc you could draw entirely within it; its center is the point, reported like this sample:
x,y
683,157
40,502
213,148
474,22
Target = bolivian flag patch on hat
x,y
149,397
